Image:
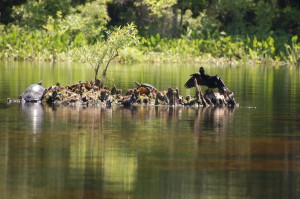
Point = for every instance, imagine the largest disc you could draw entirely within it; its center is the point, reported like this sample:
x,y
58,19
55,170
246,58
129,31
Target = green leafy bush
x,y
100,54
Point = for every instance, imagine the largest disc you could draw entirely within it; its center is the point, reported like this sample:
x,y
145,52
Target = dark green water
x,y
152,152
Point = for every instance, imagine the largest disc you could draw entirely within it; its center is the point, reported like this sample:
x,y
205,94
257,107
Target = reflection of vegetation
x,y
158,152
119,169
116,165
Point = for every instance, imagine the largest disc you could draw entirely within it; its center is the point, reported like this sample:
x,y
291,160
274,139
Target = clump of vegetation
x,y
293,51
170,30
221,46
103,52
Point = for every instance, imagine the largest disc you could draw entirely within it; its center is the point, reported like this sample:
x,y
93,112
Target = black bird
x,y
205,80
191,82
129,101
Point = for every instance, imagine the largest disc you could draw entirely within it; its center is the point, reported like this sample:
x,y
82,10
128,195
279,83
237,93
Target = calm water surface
x,y
152,152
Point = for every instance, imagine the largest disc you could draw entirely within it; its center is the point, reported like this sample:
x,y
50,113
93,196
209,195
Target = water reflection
x,y
204,120
120,170
213,120
143,152
35,113
141,119
148,151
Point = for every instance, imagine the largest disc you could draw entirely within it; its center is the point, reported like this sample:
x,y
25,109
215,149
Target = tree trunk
x,y
107,64
96,73
174,22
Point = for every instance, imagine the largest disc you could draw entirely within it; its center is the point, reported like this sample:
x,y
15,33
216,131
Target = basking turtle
x,y
33,93
145,88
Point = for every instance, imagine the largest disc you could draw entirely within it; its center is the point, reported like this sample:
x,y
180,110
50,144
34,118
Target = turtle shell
x,y
33,93
144,90
145,85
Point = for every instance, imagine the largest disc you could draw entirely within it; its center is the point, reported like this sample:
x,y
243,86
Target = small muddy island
x,y
91,93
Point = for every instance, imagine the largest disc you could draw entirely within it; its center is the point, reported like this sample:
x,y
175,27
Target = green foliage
x,y
30,14
293,51
166,17
24,45
100,54
88,20
265,14
232,14
56,43
34,13
157,7
249,48
198,27
173,30
152,41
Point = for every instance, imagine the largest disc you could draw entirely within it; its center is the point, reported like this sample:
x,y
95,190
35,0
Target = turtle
x,y
34,93
145,88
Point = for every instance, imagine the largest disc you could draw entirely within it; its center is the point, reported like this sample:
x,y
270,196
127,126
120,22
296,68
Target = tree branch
x,y
107,64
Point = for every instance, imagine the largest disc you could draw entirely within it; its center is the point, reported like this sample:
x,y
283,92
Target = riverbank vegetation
x,y
169,30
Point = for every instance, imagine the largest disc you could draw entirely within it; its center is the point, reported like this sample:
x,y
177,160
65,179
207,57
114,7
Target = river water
x,y
152,152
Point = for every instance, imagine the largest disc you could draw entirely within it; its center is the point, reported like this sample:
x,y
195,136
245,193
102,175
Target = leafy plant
x,y
34,14
157,7
102,53
293,51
